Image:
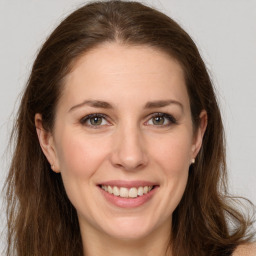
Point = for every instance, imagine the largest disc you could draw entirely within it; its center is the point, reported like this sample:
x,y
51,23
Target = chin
x,y
129,229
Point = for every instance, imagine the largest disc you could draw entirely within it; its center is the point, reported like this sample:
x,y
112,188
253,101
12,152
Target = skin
x,y
246,250
128,145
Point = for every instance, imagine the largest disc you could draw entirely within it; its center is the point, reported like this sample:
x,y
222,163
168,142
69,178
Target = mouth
x,y
127,192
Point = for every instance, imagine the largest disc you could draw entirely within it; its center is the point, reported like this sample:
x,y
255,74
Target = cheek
x,y
174,158
174,153
80,156
171,158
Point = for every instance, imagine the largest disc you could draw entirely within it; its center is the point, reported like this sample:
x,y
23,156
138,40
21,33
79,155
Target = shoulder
x,y
245,250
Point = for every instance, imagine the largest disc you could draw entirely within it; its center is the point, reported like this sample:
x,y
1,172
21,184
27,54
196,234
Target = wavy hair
x,y
41,219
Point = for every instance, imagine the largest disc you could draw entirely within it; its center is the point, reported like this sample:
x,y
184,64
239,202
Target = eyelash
x,y
85,119
170,118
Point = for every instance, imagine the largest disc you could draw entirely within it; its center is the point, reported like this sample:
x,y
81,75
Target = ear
x,y
199,134
47,143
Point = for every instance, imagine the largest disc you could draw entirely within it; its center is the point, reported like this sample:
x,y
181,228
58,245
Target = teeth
x,y
109,190
133,192
127,193
124,192
116,191
140,191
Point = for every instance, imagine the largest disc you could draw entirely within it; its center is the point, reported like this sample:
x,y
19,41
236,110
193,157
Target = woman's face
x,y
123,126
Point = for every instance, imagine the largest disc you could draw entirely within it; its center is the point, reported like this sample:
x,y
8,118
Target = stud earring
x,y
52,166
193,160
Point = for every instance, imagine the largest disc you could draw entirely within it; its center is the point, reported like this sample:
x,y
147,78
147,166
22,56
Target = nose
x,y
129,150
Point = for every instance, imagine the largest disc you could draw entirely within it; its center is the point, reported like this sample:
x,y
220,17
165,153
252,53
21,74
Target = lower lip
x,y
128,202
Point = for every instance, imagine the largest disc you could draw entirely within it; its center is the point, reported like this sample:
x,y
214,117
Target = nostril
x,y
128,151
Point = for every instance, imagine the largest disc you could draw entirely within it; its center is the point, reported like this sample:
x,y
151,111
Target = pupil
x,y
96,120
158,120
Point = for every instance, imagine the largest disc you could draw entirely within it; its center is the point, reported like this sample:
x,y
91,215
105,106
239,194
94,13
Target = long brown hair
x,y
41,219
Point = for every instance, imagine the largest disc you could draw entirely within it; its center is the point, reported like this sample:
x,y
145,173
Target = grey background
x,y
224,31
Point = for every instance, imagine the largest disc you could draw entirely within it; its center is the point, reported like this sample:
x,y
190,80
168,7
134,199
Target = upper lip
x,y
128,184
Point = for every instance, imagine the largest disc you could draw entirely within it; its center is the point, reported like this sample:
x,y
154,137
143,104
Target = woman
x,y
120,146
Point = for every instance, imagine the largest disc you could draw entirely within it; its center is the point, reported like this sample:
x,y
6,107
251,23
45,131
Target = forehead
x,y
129,71
114,57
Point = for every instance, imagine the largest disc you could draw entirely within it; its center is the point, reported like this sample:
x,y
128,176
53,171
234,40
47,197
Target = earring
x,y
52,167
193,160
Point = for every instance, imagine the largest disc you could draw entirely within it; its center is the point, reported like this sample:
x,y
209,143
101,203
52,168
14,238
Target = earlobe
x,y
199,133
46,142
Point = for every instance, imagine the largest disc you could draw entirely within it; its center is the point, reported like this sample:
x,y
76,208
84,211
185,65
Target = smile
x,y
124,192
128,194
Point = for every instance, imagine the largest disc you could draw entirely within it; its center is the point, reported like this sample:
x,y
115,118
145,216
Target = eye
x,y
94,120
161,119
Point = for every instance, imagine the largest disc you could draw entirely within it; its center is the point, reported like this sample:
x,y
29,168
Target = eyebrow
x,y
106,105
93,103
162,103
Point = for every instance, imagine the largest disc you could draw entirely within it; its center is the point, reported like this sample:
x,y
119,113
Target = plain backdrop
x,y
224,31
